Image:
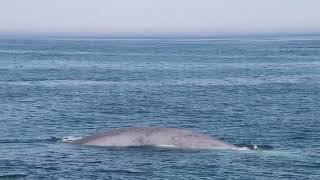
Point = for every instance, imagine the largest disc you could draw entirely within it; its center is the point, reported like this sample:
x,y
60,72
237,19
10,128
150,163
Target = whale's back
x,y
154,136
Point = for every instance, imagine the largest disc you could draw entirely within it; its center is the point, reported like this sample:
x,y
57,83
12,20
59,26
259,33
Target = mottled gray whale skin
x,y
154,136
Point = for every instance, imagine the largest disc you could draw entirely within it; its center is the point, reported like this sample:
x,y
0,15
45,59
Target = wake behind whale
x,y
154,136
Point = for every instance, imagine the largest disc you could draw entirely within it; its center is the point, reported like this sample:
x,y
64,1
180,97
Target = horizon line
x,y
150,34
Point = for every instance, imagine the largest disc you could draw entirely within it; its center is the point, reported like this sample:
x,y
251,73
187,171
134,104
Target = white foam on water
x,y
242,149
69,139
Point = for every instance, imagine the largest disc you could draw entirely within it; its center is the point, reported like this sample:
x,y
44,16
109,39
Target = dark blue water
x,y
244,90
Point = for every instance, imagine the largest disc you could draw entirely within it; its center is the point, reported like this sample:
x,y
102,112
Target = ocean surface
x,y
248,90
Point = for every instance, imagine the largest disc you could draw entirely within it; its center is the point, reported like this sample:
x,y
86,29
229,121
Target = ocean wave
x,y
13,176
36,140
231,81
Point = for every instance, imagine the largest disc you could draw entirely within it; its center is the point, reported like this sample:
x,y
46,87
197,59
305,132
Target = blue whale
x,y
154,136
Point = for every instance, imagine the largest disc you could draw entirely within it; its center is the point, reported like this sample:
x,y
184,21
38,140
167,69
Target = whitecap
x,y
69,139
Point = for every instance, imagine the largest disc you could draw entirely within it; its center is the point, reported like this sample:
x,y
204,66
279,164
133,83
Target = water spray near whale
x,y
155,136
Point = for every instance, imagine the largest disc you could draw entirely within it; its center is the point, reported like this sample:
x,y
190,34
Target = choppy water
x,y
245,90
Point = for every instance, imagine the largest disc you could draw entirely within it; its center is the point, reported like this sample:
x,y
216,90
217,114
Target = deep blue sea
x,y
246,90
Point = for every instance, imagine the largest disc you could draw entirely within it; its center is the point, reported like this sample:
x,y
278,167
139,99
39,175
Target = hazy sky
x,y
159,16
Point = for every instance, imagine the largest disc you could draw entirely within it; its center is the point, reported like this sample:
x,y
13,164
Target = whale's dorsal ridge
x,y
154,136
